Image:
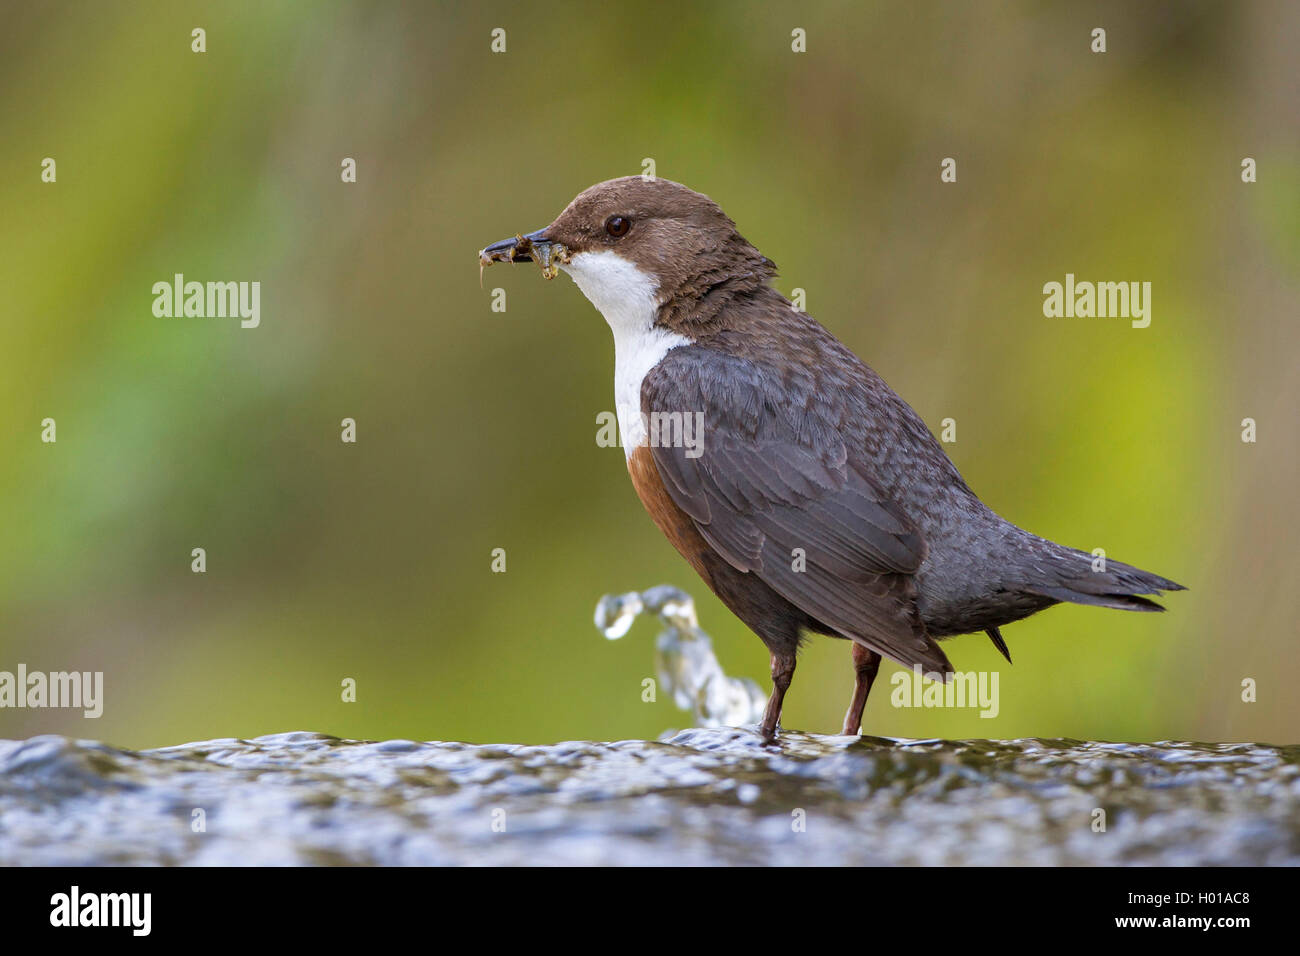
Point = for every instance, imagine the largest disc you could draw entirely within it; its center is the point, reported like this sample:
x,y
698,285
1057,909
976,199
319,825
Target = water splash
x,y
684,659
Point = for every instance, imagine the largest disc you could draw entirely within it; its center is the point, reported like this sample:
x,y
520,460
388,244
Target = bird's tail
x,y
1064,574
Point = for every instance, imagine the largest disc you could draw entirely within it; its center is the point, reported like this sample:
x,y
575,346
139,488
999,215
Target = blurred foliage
x,y
476,429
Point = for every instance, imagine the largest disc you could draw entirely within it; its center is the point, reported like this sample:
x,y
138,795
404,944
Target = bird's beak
x,y
534,247
518,249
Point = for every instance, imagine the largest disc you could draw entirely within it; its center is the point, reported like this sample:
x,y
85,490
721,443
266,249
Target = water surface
x,y
704,796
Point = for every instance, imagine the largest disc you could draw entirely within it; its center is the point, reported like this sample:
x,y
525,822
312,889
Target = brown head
x,y
631,239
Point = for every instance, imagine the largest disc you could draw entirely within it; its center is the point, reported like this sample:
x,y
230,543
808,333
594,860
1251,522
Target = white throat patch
x,y
628,299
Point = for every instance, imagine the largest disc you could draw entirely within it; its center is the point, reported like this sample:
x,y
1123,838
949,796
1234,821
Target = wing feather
x,y
801,514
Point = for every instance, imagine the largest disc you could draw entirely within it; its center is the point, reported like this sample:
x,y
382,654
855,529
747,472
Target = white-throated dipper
x,y
813,498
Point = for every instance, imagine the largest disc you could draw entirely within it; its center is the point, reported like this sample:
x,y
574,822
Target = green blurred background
x,y
476,430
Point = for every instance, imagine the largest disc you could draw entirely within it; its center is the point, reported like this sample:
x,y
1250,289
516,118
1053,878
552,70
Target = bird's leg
x,y
782,673
865,664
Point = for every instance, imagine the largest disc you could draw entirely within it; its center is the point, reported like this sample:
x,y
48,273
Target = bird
x,y
812,499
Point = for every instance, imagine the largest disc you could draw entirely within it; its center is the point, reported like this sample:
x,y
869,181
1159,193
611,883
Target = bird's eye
x,y
617,226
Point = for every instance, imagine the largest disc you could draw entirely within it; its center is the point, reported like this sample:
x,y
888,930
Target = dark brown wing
x,y
774,490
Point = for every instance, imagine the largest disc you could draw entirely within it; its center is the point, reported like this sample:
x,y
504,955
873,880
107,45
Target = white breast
x,y
628,299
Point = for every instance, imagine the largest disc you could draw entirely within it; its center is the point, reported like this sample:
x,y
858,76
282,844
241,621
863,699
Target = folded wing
x,y
776,492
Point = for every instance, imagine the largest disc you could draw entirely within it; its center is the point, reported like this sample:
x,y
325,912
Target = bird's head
x,y
633,240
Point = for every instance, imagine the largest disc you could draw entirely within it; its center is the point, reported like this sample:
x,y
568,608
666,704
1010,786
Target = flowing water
x,y
704,796
710,795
